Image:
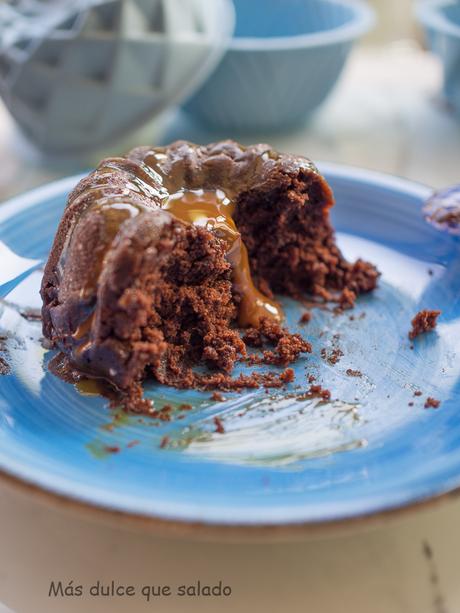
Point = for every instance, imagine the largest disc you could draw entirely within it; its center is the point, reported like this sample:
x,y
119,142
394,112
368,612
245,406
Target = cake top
x,y
226,165
156,173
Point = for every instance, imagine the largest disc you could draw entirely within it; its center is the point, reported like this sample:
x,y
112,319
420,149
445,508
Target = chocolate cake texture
x,y
162,256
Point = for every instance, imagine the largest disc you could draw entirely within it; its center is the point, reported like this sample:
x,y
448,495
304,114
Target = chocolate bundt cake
x,y
162,255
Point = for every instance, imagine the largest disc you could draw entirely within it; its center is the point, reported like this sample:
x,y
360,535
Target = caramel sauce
x,y
90,387
213,211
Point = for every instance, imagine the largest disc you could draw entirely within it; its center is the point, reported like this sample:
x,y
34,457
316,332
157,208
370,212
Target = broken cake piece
x,y
163,255
424,321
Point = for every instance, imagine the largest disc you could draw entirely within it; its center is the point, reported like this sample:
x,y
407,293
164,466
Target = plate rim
x,y
222,532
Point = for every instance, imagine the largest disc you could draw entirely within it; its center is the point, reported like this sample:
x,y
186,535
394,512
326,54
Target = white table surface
x,y
385,114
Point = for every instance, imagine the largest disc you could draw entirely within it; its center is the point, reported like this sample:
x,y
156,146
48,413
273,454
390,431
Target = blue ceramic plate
x,y
282,460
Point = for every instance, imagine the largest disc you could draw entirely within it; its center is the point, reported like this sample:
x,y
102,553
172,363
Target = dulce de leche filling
x,y
213,210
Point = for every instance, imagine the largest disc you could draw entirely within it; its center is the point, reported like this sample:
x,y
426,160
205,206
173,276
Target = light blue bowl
x,y
441,19
284,59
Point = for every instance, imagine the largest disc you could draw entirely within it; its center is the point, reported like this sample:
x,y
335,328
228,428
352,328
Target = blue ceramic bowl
x,y
441,20
283,61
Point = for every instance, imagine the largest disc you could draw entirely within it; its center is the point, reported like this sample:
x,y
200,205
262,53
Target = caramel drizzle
x,y
213,211
210,209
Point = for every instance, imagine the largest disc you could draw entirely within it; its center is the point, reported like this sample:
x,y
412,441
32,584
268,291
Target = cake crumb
x,y
417,393
318,390
353,373
111,448
185,407
132,443
219,425
164,442
411,404
225,382
424,321
287,376
333,356
311,378
132,401
347,298
217,397
287,346
305,317
431,403
163,414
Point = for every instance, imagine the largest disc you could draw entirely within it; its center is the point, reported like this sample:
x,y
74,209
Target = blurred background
x,y
336,80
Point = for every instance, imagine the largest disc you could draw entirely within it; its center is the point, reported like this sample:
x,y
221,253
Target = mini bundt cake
x,y
162,255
